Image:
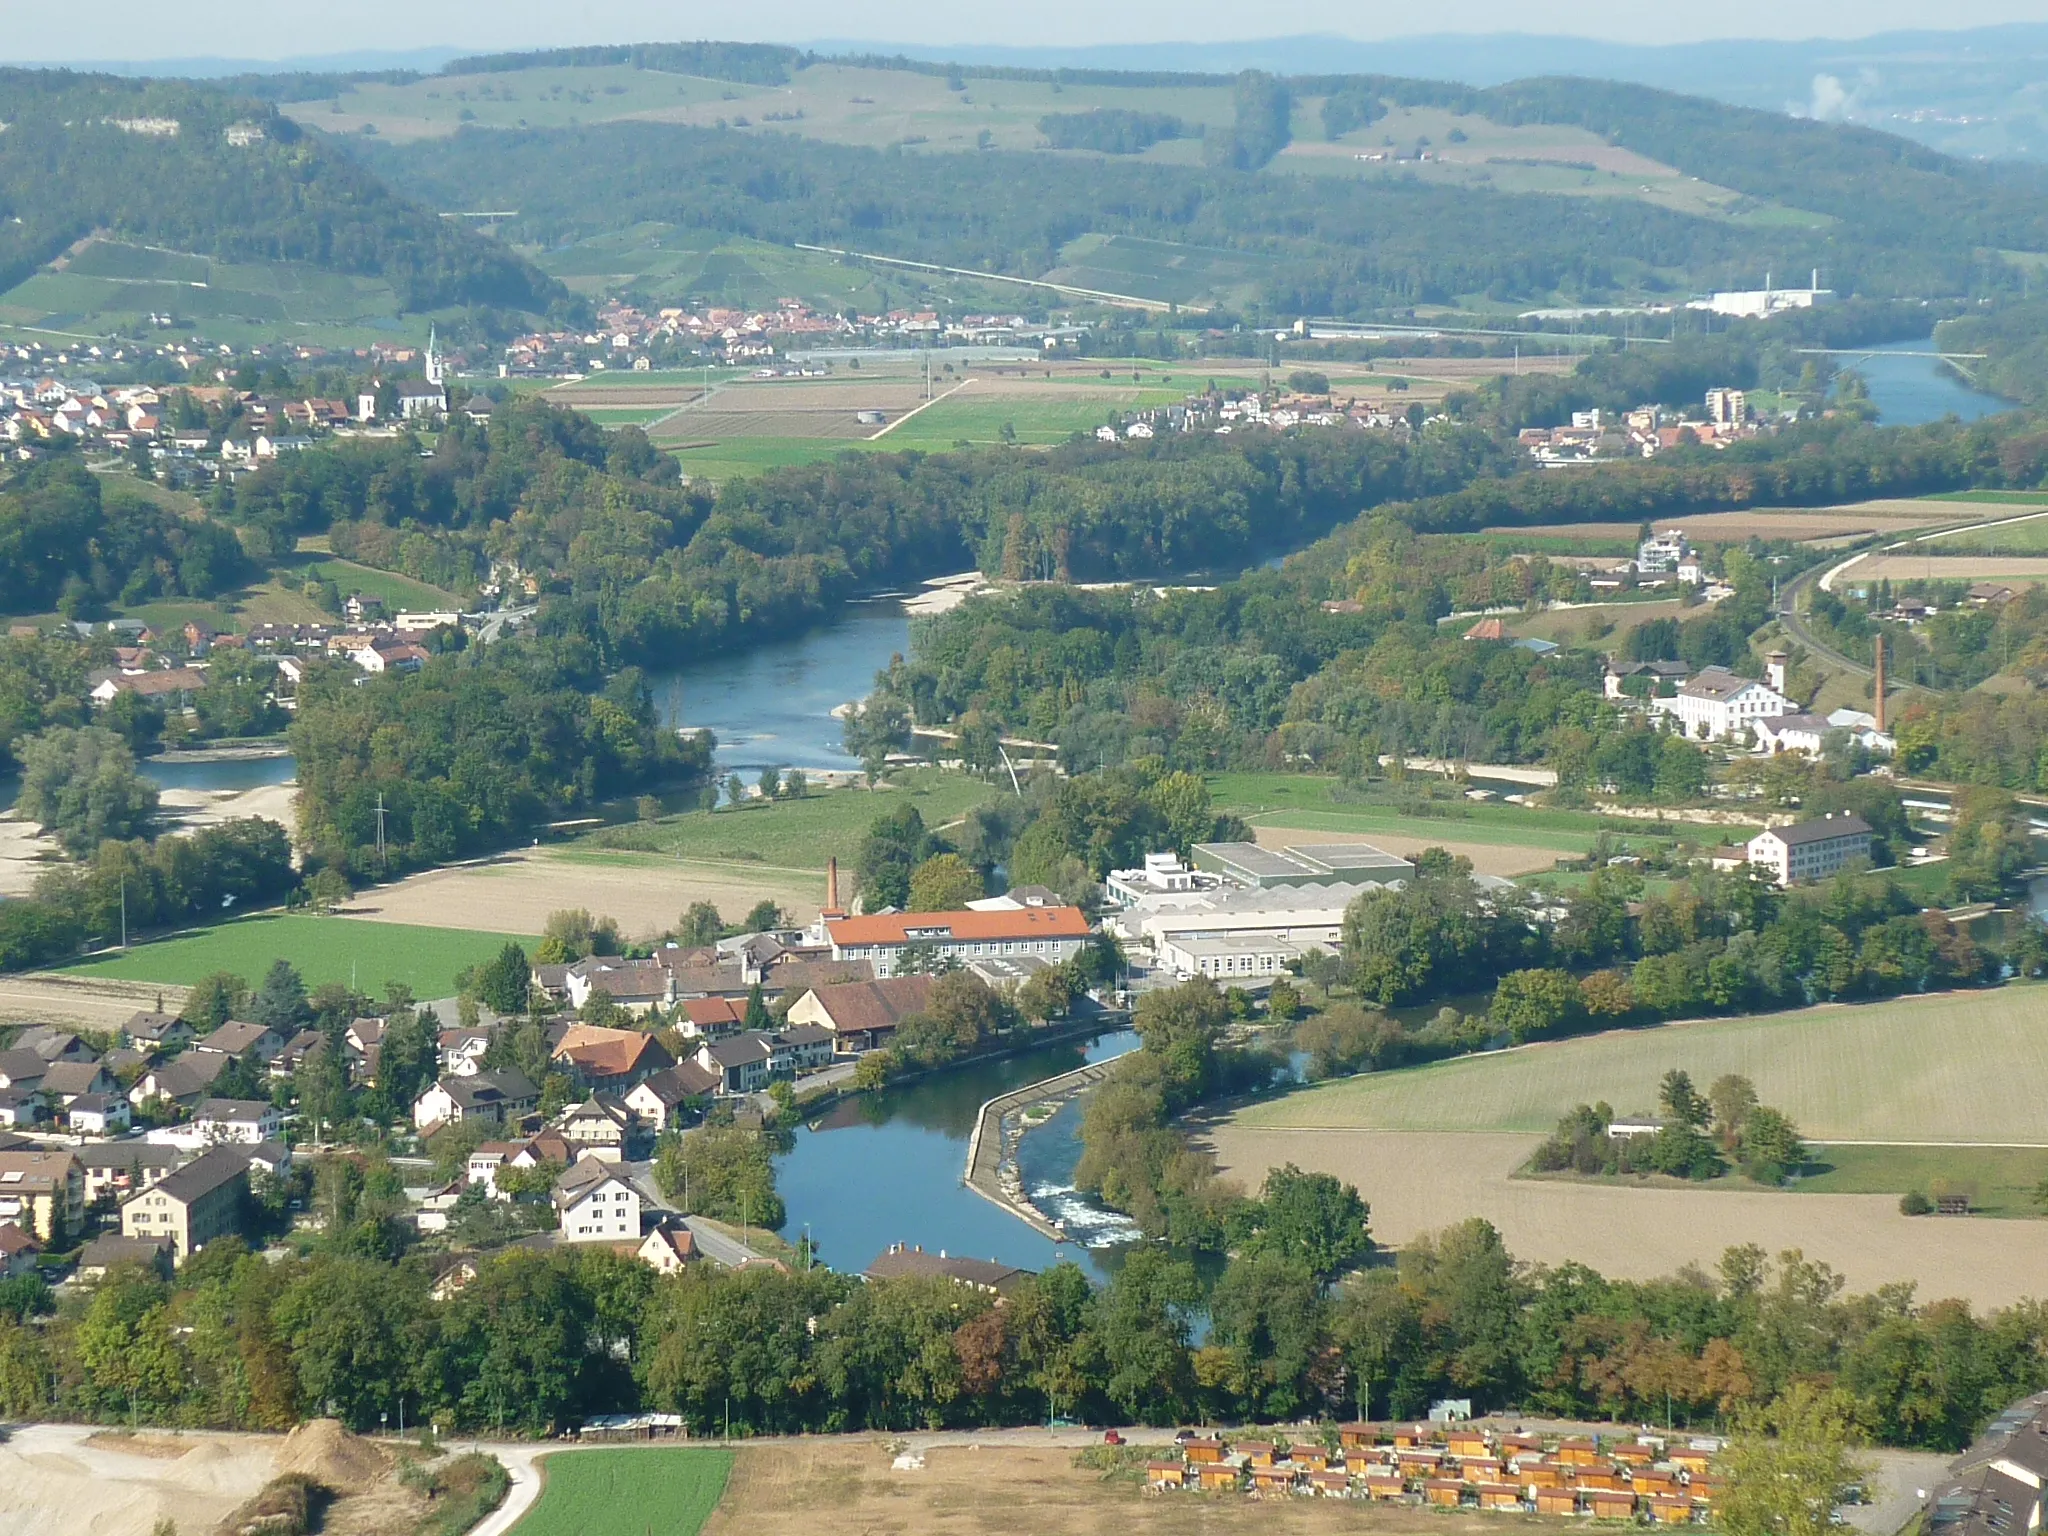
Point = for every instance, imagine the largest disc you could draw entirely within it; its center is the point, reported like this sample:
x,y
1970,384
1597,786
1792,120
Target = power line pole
x,y
380,829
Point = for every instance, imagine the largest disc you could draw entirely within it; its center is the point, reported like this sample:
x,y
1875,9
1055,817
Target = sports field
x,y
627,1493
325,949
1958,1067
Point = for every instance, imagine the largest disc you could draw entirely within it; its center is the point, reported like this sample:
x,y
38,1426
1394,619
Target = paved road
x,y
496,622
1795,626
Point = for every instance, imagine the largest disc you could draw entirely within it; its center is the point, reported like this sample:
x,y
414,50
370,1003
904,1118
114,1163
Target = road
x,y
498,620
1795,626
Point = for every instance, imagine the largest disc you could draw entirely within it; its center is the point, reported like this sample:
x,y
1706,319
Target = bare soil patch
x,y
514,893
1959,567
58,1478
1886,515
332,1457
984,1491
96,1002
1423,1181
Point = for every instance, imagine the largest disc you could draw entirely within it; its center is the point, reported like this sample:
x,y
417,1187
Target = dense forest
x,y
68,168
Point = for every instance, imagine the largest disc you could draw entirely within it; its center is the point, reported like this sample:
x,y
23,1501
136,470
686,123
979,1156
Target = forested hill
x,y
154,162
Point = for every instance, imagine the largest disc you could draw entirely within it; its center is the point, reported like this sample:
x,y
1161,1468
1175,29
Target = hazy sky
x,y
153,29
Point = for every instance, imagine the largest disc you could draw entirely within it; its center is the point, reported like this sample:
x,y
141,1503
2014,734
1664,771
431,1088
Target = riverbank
x,y
999,1131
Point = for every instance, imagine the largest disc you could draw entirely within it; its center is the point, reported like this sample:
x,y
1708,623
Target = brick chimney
x,y
1877,689
832,884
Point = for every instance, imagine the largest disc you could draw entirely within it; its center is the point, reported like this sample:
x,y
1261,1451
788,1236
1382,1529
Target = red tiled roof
x,y
908,927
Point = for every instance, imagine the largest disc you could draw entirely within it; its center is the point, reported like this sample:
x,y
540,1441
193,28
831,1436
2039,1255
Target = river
x,y
1910,391
890,1168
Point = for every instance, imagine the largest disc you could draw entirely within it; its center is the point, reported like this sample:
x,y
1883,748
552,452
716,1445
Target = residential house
x,y
490,1096
595,1204
157,1032
388,655
712,1018
21,1068
668,1248
861,1015
244,1121
22,1108
363,1040
68,1080
240,1038
174,686
661,1098
1800,732
744,1064
55,1045
42,1192
98,1114
18,1251
113,1248
633,984
297,1052
806,1047
462,1051
184,1081
977,1274
612,1060
201,1201
116,1167
1052,933
600,1126
1811,850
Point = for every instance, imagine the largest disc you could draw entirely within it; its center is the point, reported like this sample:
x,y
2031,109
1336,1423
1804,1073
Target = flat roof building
x,y
1257,868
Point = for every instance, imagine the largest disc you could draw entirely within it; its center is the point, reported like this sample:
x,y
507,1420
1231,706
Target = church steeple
x,y
433,358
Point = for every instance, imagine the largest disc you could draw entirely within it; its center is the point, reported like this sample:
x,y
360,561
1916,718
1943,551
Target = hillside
x,y
1538,191
208,175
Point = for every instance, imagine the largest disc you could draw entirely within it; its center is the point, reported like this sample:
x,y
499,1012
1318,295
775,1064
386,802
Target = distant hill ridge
x,y
198,169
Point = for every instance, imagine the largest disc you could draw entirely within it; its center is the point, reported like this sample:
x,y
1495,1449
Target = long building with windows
x,y
1051,934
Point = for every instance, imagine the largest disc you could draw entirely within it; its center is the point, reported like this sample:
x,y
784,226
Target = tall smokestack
x,y
1878,688
832,882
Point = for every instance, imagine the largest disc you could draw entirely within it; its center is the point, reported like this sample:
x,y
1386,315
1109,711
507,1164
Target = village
x,y
1601,437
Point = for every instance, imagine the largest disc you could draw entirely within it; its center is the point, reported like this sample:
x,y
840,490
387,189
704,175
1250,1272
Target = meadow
x,y
2024,538
1958,1067
789,834
325,949
627,1492
2000,1181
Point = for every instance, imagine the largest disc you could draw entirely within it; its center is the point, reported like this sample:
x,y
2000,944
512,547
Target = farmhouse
x,y
1052,933
1811,850
633,984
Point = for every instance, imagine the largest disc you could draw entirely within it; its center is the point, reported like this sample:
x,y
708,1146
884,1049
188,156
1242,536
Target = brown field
x,y
1487,858
1890,515
1423,1181
1972,567
1466,368
833,422
591,395
515,892
1569,625
966,1491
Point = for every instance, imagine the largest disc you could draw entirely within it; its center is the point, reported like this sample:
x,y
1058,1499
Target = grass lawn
x,y
2028,538
791,834
1999,1180
733,458
324,949
1969,1066
397,593
627,1493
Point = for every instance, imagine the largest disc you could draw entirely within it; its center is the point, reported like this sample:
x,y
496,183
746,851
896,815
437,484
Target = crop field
x,y
1605,624
627,1492
1891,515
108,287
1957,1067
325,949
2000,538
1950,566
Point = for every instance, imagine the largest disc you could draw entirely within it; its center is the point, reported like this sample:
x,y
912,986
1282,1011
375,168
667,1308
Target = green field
x,y
790,834
324,949
1162,270
1999,1180
397,593
1996,498
627,1492
1956,1068
110,287
2028,538
730,458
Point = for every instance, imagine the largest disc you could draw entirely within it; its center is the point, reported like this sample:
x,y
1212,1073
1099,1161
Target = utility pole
x,y
380,829
124,909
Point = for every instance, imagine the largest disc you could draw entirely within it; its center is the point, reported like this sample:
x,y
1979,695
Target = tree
x,y
1311,1219
328,889
1283,1001
771,784
214,999
81,787
505,980
701,925
726,1172
574,933
280,1002
1048,994
1346,1038
1677,1095
1771,1149
1788,1463
1529,1004
944,883
1732,1098
763,916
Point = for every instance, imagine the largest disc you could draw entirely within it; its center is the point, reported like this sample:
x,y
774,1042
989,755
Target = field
x,y
1952,567
1164,271
1959,1067
627,1493
645,874
325,949
109,287
1888,515
1423,1181
1498,839
2000,1181
2028,537
1611,622
846,1484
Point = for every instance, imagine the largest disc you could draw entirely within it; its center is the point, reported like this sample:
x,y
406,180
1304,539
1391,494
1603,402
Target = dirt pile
x,y
322,1450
